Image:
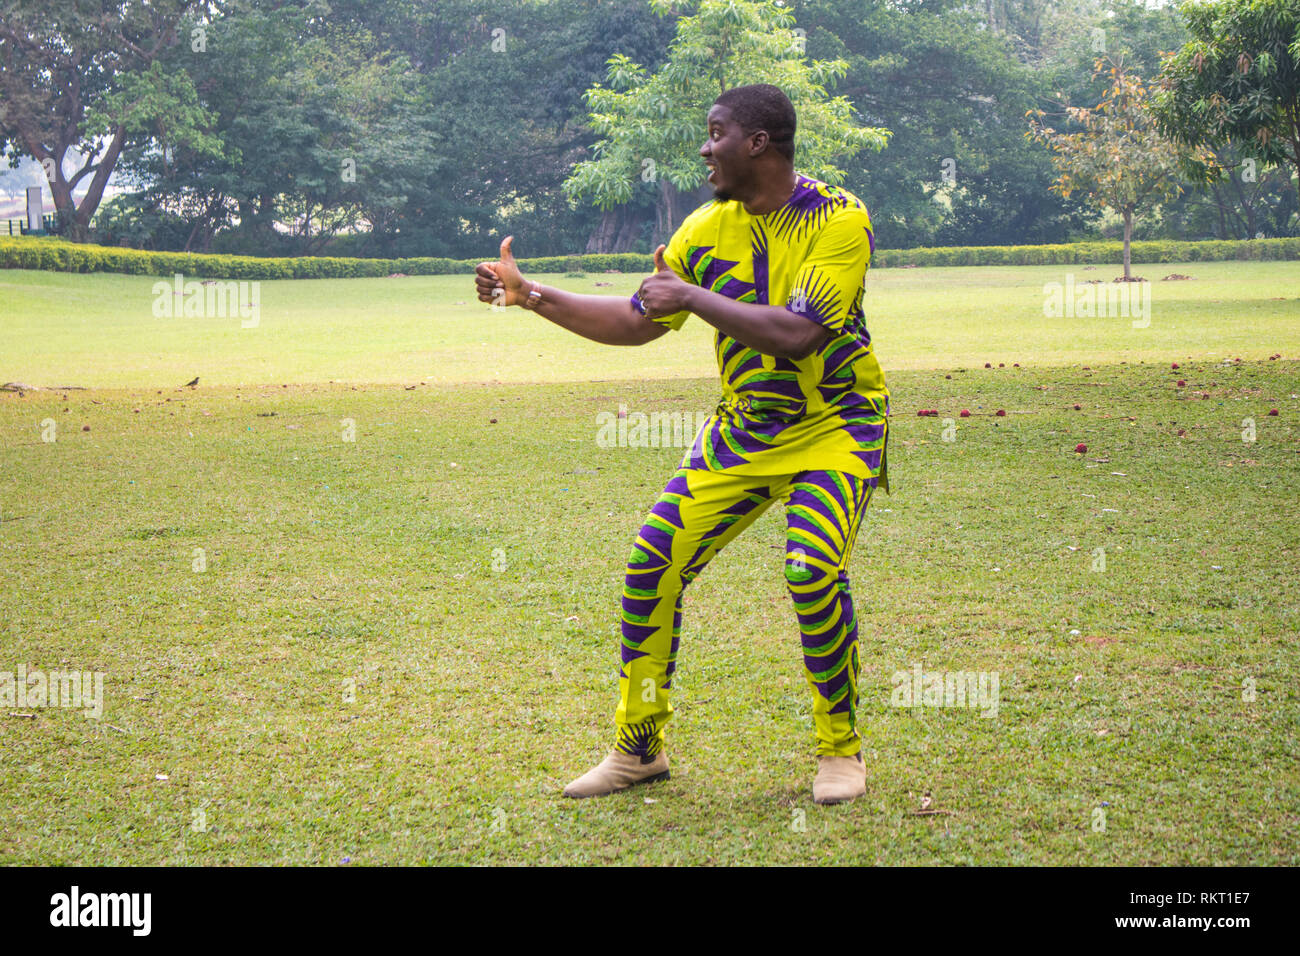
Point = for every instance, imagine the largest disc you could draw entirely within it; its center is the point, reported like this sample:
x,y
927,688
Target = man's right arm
x,y
610,320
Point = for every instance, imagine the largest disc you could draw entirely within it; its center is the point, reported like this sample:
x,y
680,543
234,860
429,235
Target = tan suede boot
x,y
839,779
617,772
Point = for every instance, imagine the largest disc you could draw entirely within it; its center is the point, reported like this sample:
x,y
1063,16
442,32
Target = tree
x,y
651,125
75,81
958,169
1236,82
1119,160
315,126
503,84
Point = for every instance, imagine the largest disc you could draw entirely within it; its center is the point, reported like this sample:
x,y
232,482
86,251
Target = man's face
x,y
725,152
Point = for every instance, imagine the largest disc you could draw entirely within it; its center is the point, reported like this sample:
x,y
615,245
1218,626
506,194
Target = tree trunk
x,y
200,237
620,229
629,232
1223,221
602,237
64,206
1295,145
1128,238
673,206
1247,206
105,166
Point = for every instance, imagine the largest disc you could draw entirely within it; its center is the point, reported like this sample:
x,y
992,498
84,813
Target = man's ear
x,y
758,143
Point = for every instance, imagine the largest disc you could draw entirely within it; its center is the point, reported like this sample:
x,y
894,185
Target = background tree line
x,y
434,127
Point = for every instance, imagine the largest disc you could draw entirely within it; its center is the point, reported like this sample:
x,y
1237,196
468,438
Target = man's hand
x,y
500,282
664,293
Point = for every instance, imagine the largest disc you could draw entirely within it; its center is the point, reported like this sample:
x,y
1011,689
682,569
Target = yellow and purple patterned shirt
x,y
826,412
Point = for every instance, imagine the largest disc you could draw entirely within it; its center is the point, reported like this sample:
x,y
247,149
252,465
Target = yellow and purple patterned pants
x,y
697,514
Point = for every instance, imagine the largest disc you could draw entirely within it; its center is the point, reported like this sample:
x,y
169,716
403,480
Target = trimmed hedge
x,y
1093,253
56,255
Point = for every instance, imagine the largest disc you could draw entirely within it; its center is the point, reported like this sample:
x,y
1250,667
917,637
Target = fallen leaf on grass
x,y
928,809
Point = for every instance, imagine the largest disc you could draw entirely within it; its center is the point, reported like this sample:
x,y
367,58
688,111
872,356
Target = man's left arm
x,y
826,289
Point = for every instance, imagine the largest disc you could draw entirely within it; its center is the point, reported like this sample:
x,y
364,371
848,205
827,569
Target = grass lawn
x,y
100,331
401,647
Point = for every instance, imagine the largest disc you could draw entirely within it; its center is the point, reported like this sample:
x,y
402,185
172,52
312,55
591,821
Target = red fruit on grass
x,y
1272,411
1002,365
1002,413
1080,448
1182,383
965,413
1182,432
1175,365
85,428
988,364
1078,408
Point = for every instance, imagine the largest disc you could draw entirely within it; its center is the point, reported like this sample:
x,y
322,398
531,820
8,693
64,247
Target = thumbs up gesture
x,y
664,293
500,282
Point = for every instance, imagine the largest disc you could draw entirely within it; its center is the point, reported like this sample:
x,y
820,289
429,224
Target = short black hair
x,y
763,106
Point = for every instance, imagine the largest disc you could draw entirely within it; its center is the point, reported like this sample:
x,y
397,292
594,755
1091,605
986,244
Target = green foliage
x,y
162,105
310,126
1237,79
651,125
1100,253
1117,158
954,93
468,120
79,82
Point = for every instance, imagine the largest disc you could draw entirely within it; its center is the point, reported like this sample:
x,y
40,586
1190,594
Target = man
x,y
776,264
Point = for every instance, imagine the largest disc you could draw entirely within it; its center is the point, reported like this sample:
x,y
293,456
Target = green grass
x,y
99,331
371,565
